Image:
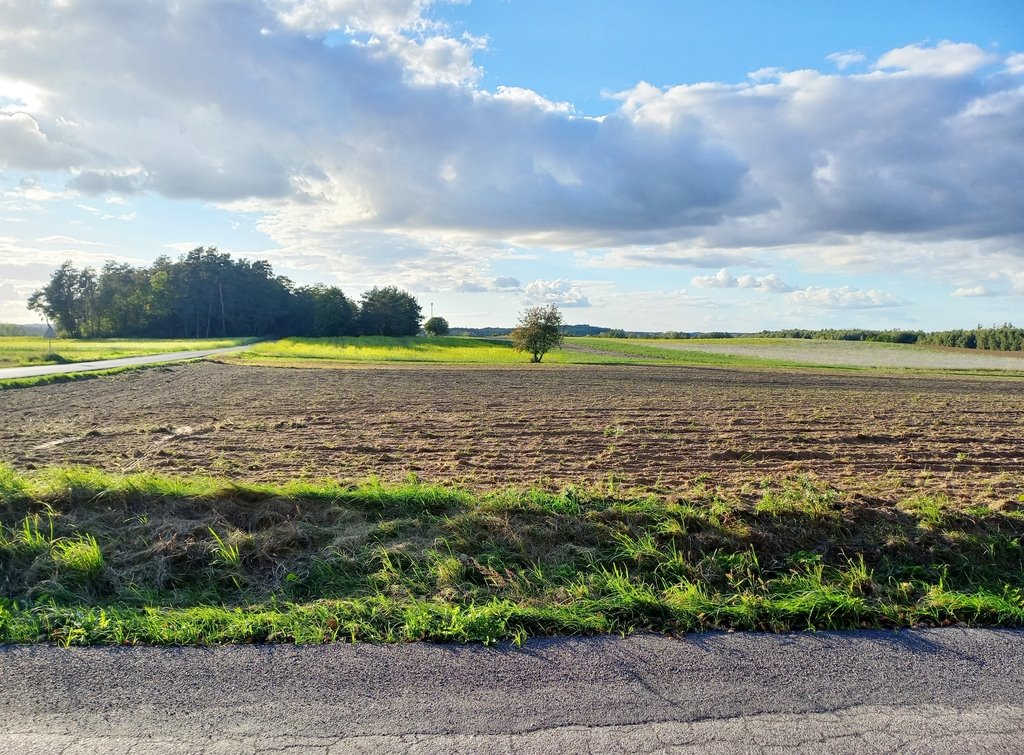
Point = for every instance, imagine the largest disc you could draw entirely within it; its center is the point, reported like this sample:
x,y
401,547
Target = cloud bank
x,y
357,132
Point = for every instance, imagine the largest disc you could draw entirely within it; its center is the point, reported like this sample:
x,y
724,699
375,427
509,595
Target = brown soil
x,y
536,425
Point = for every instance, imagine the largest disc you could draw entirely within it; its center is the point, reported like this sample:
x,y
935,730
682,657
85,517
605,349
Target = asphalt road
x,y
109,364
930,691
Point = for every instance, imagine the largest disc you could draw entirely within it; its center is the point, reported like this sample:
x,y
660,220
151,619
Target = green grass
x,y
660,351
23,351
384,349
87,557
31,382
461,350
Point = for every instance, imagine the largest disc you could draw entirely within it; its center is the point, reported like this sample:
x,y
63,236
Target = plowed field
x,y
535,425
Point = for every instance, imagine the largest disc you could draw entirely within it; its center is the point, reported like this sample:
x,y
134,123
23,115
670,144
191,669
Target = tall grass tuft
x,y
80,554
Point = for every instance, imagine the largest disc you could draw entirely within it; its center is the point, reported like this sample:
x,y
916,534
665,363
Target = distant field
x,y
320,352
849,353
21,351
731,352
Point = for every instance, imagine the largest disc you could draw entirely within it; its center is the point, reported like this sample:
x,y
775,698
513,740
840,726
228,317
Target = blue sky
x,y
645,165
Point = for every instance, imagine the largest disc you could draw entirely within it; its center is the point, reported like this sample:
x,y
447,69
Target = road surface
x,y
109,364
931,691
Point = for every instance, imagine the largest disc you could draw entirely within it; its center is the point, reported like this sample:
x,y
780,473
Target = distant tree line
x,y
206,294
14,329
845,334
1003,338
997,338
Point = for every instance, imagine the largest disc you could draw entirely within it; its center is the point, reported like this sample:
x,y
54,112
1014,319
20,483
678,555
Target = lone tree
x,y
539,331
436,326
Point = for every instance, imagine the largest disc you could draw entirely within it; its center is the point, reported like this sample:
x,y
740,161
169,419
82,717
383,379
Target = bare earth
x,y
548,426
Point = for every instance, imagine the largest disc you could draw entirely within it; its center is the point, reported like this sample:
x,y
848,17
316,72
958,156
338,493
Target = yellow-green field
x,y
725,352
20,351
321,352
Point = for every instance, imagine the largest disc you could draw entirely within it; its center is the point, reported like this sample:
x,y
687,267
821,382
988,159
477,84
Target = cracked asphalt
x,y
923,691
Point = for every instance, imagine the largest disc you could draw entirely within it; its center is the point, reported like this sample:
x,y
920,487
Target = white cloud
x,y
23,145
1015,63
979,290
770,282
19,96
844,60
724,279
844,297
1017,281
354,130
380,16
531,101
944,59
560,292
432,59
506,283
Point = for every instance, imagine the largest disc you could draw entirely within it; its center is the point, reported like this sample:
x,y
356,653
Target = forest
x,y
205,294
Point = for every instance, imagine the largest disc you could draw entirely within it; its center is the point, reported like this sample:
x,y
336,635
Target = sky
x,y
651,165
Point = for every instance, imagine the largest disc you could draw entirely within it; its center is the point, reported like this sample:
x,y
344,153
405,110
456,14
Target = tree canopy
x,y
389,312
539,331
436,326
205,294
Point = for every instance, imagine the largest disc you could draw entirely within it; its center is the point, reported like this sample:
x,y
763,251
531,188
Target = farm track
x,y
548,426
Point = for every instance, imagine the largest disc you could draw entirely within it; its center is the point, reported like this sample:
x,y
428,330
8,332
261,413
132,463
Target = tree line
x,y
206,294
1004,337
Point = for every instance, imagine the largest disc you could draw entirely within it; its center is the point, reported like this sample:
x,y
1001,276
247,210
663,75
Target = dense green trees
x,y
1002,338
389,312
205,294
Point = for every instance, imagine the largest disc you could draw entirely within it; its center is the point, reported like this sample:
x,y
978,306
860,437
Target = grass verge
x,y
27,351
86,557
66,377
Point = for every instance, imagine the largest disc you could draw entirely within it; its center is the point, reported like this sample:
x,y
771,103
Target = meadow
x,y
22,351
322,352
